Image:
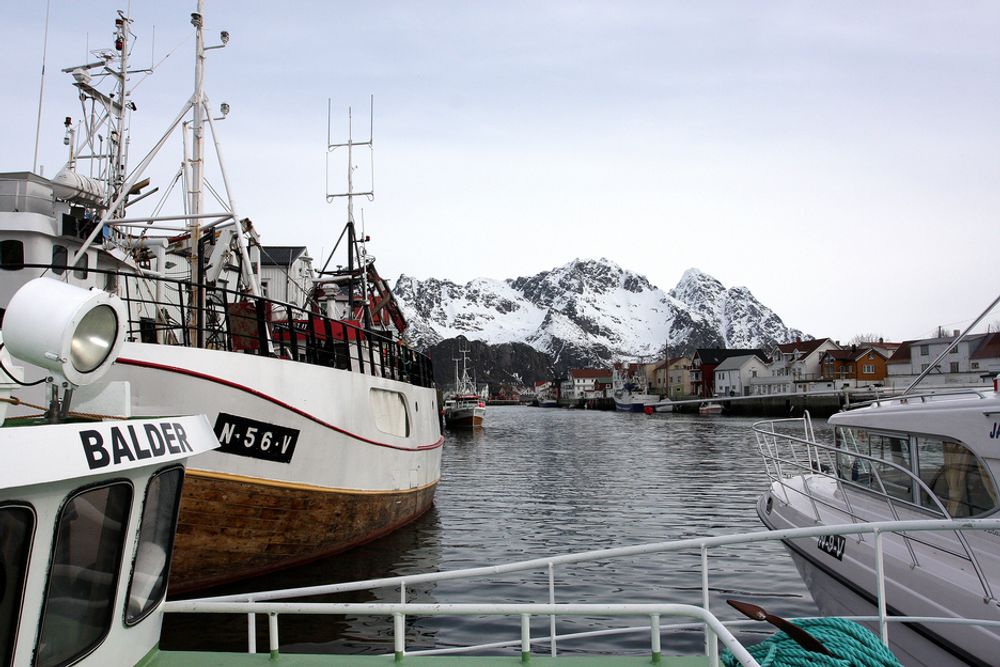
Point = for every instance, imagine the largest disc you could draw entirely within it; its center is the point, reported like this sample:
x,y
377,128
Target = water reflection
x,y
537,482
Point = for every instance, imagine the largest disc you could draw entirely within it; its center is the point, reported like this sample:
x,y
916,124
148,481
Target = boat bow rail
x,y
267,602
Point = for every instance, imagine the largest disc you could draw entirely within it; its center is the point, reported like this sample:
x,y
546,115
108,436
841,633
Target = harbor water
x,y
541,482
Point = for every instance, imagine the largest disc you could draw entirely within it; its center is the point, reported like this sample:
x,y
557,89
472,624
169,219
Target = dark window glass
x,y
156,537
81,267
86,558
16,528
11,255
60,259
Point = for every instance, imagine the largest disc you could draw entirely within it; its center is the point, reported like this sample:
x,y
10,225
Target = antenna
x,y
355,244
41,86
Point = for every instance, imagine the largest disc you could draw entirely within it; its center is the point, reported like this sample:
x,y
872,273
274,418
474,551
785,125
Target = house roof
x,y
716,355
669,362
989,348
734,363
589,373
806,347
855,354
281,255
902,353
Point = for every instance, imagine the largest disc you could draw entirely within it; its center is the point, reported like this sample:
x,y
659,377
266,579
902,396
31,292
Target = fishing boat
x,y
464,407
326,418
912,459
629,388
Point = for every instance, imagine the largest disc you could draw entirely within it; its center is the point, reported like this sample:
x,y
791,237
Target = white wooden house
x,y
735,375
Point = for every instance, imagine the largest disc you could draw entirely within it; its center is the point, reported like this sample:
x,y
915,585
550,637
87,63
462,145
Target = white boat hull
x,y
340,481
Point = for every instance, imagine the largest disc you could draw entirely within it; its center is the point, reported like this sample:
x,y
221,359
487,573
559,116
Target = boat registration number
x,y
256,439
833,545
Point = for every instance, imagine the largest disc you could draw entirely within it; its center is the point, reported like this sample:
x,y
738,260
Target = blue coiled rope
x,y
853,645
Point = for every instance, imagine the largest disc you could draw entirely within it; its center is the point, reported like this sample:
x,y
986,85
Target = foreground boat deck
x,y
210,659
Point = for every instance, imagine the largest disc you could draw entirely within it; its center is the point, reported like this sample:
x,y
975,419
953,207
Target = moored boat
x,y
464,407
327,420
710,409
914,459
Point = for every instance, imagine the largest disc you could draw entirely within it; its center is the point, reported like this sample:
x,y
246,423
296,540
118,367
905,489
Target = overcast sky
x,y
839,159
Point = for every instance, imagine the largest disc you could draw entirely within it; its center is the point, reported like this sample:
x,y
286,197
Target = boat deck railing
x,y
787,456
704,619
172,311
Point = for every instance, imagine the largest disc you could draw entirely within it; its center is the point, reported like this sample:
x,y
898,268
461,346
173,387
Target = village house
x,y
703,366
587,383
735,375
795,367
859,366
974,361
672,378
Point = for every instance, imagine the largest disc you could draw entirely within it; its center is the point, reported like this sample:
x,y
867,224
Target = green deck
x,y
210,659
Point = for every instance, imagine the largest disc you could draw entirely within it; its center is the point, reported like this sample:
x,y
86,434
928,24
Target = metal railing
x,y
173,311
264,602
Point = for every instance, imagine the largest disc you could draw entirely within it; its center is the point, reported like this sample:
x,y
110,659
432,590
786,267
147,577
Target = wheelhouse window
x,y
60,259
156,537
17,525
889,471
389,408
11,255
86,558
958,479
81,267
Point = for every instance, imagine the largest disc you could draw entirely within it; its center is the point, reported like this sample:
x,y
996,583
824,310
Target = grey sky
x,y
839,159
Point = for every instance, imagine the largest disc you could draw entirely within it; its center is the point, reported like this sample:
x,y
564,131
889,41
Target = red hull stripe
x,y
201,376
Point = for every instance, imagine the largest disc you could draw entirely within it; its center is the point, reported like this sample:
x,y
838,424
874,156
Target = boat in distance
x,y
327,419
464,408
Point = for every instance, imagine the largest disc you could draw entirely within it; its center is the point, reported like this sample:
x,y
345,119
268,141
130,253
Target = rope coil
x,y
852,644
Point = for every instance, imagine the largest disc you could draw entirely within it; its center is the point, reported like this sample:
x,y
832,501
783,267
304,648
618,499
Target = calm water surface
x,y
539,482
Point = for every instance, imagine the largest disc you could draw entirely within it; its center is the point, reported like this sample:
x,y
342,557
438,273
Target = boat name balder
x,y
159,438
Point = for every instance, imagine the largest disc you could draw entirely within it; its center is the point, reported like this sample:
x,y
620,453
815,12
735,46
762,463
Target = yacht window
x,y
86,558
60,259
11,255
16,528
110,282
81,267
893,452
389,408
156,537
958,479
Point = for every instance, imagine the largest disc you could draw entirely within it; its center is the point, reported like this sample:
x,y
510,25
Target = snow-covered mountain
x,y
589,312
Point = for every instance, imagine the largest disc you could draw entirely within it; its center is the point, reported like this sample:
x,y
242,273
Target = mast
x,y
358,259
196,186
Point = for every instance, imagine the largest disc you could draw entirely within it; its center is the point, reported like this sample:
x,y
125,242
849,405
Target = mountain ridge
x,y
590,312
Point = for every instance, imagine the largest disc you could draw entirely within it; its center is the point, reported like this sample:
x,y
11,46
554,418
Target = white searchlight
x,y
73,332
